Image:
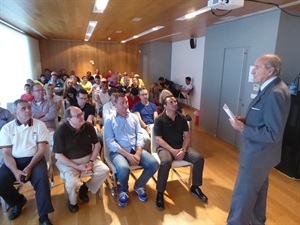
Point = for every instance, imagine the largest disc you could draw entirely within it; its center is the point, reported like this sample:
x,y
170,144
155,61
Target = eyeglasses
x,y
78,115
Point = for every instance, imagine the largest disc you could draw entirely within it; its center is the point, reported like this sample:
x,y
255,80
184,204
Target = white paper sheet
x,y
228,111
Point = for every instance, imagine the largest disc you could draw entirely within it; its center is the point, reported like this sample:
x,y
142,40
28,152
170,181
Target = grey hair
x,y
274,61
15,105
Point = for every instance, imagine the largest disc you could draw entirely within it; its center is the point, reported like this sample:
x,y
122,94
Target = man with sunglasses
x,y
76,149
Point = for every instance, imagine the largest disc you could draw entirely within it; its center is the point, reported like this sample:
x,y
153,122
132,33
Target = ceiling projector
x,y
225,4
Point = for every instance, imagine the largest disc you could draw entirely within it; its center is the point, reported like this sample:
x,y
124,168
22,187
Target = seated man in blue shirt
x,y
124,138
146,112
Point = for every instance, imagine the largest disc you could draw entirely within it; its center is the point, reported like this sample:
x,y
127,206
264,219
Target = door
x,y
234,73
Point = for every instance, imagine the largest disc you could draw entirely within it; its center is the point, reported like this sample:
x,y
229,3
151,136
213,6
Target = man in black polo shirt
x,y
172,133
76,149
82,103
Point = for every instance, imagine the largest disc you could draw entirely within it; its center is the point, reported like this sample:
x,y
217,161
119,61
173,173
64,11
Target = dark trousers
x,y
38,179
166,159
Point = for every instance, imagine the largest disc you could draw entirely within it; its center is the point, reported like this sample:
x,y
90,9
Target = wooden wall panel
x,y
76,55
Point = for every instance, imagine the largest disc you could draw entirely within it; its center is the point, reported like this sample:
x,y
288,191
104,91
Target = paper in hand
x,y
229,112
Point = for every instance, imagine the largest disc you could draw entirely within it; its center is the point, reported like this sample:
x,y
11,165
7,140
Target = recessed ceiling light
x,y
90,29
136,19
118,32
143,33
193,14
100,6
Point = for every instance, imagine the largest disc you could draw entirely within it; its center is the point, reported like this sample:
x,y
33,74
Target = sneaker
x,y
141,194
123,199
198,193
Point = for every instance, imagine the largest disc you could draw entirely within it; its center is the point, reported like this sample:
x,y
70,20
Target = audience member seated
x,y
162,96
47,74
186,88
154,94
76,149
96,86
42,109
24,142
70,94
125,88
63,75
109,108
133,97
140,80
172,134
97,73
32,82
50,95
87,85
125,142
88,109
167,84
108,75
76,85
58,84
43,79
114,81
146,112
27,95
135,83
5,117
102,98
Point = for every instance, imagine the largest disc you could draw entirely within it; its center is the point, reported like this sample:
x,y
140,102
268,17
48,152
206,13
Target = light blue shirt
x,y
123,132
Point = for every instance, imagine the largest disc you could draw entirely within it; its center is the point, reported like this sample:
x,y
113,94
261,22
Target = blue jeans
x,y
148,162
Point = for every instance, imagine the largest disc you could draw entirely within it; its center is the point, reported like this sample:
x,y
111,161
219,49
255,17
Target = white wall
x,y
19,60
188,62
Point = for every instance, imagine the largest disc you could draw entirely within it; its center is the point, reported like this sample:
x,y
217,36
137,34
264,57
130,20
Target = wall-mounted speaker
x,y
193,43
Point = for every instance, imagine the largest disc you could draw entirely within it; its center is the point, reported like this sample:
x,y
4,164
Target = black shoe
x,y
17,209
45,222
160,204
73,208
83,193
198,193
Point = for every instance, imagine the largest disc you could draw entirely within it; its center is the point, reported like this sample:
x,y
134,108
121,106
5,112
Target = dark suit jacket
x,y
265,122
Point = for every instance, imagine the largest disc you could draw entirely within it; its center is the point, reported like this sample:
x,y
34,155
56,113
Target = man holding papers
x,y
262,130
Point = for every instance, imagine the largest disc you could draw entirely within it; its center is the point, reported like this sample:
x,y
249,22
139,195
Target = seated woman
x,y
154,93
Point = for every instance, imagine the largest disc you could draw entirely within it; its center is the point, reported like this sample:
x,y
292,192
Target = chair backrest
x,y
48,153
10,106
106,155
154,144
190,91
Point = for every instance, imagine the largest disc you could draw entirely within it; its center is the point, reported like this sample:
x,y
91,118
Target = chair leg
x,y
191,176
100,192
4,205
180,177
112,186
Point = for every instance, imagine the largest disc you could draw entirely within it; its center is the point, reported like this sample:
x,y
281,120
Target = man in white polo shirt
x,y
24,142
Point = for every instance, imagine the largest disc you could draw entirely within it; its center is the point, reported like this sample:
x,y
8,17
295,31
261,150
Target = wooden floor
x,y
181,207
